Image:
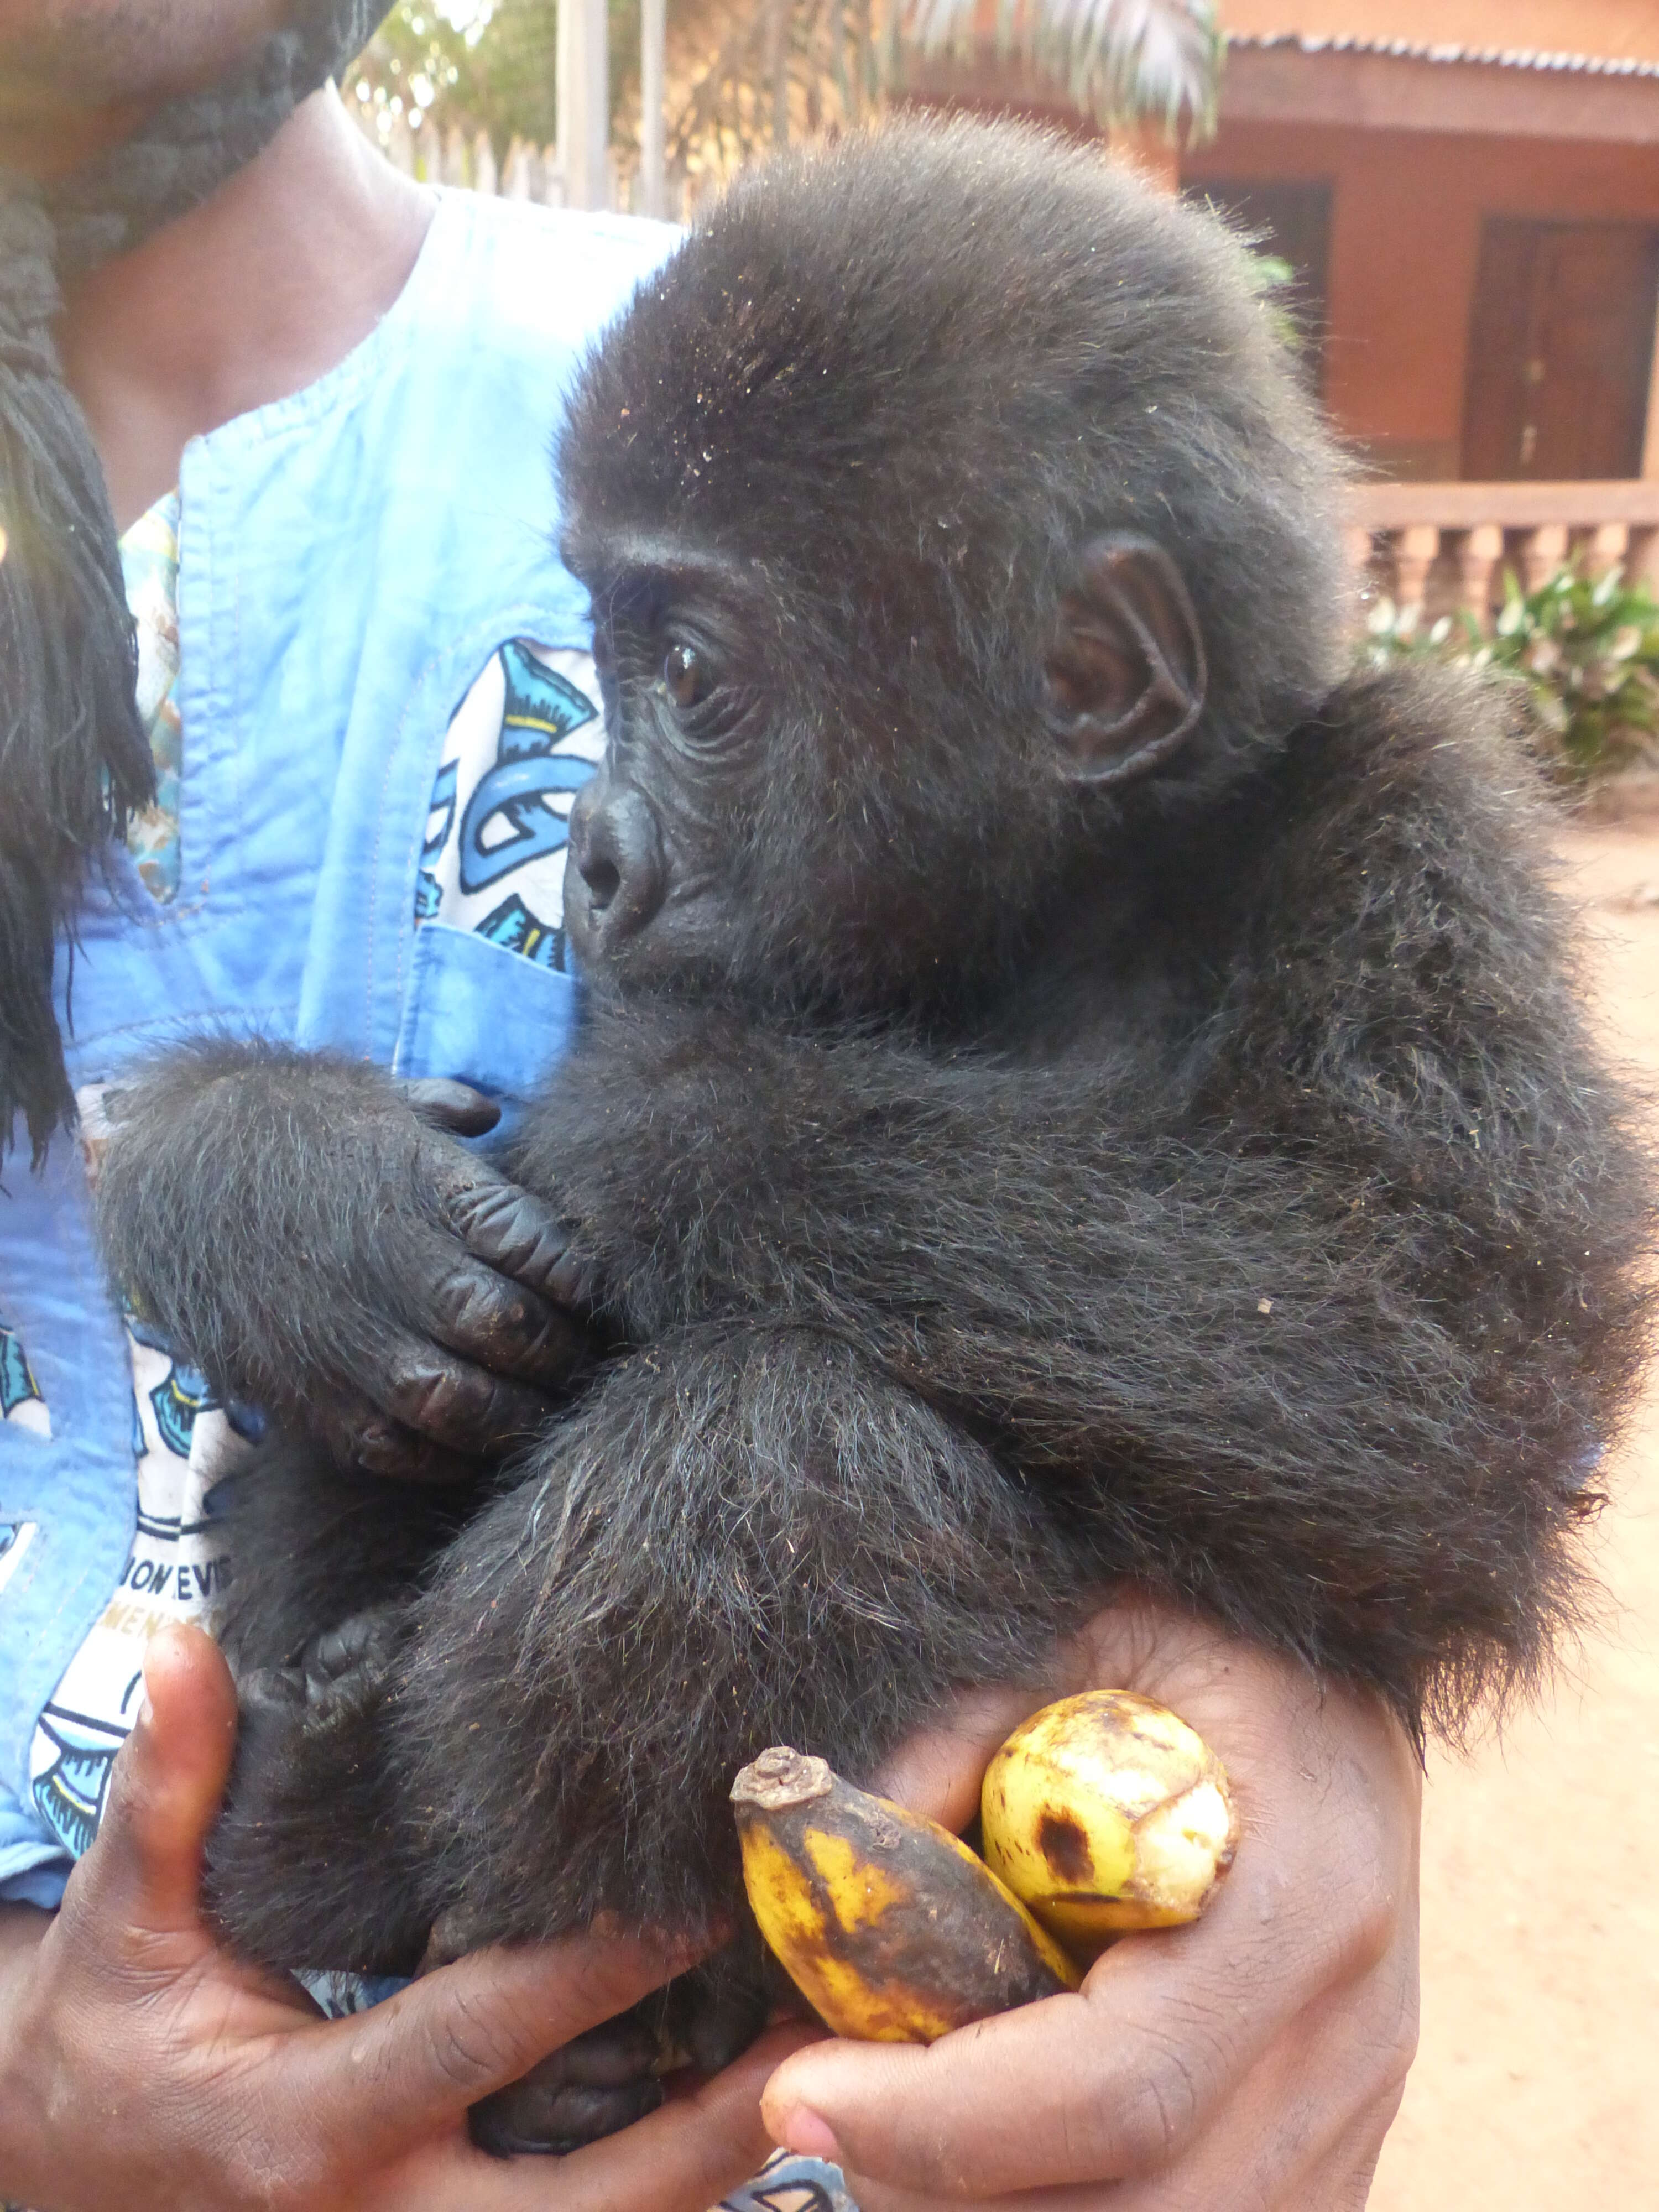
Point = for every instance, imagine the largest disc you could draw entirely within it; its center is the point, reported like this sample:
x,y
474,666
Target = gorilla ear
x,y
1127,673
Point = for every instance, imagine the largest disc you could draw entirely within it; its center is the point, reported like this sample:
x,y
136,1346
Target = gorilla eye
x,y
686,675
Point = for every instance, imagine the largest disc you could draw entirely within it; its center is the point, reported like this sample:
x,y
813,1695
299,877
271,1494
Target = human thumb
x,y
144,1873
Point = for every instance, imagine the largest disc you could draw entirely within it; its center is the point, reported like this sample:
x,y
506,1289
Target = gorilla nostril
x,y
604,881
616,846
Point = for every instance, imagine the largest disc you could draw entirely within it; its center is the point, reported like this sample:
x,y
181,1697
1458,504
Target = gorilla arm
x,y
1321,1325
304,1231
738,1535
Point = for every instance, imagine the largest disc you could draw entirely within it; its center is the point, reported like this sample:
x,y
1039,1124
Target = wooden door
x,y
1560,349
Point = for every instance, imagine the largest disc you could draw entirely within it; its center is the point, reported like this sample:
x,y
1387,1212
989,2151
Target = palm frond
x,y
1122,60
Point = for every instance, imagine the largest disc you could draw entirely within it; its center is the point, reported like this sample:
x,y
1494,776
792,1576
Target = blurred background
x,y
1456,203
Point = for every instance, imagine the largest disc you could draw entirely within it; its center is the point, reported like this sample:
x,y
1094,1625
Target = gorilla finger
x,y
462,1407
350,1664
600,2082
500,1324
517,1233
456,1108
514,2122
361,1436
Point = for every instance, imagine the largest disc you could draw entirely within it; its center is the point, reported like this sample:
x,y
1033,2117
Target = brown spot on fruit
x,y
1064,1842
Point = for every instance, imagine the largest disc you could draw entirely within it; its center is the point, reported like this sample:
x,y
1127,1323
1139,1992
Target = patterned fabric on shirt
x,y
520,746
182,1441
788,2184
20,1394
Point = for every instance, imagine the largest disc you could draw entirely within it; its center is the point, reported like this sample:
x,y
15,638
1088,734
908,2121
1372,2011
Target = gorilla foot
x,y
602,2081
309,1864
339,1673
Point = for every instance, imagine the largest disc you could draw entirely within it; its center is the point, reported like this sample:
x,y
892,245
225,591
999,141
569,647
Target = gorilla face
x,y
791,794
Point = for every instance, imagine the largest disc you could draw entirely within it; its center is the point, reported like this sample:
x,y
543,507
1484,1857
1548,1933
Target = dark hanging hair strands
x,y
75,761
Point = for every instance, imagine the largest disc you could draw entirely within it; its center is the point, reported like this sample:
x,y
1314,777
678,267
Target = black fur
x,y
997,1181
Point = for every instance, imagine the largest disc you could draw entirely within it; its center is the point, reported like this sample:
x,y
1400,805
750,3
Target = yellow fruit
x,y
891,1930
1107,1812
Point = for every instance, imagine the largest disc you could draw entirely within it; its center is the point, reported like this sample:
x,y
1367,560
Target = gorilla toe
x,y
602,2081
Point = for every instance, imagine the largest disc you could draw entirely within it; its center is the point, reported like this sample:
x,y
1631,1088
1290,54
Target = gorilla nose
x,y
617,850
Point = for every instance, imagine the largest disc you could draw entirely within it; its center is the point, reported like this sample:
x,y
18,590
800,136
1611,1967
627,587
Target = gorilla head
x,y
897,560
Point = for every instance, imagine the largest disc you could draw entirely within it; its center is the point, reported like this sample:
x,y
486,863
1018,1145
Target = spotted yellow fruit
x,y
891,1930
1106,1813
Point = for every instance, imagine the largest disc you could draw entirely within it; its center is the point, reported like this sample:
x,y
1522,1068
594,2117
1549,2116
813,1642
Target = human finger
x,y
1113,2082
683,2158
691,2153
937,1771
1306,2129
143,1874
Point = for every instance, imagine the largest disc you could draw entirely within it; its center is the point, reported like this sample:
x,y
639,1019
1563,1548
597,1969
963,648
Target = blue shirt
x,y
357,563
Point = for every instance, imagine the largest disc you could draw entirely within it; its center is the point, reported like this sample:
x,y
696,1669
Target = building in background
x,y
1468,190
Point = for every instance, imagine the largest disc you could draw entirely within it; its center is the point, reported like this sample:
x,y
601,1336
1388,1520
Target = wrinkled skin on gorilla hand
x,y
1075,1087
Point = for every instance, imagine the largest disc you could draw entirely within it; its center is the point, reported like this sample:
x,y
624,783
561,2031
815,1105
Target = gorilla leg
x,y
305,1867
741,1536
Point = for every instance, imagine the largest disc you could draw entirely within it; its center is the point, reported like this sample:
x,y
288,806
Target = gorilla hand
x,y
312,1237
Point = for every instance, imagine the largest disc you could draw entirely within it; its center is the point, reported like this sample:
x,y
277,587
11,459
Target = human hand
x,y
140,2065
313,1237
1255,2058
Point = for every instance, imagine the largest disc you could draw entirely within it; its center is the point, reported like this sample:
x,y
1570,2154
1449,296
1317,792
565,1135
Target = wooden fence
x,y
1441,546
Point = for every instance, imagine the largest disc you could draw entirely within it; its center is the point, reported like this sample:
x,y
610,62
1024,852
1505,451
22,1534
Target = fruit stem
x,y
781,1778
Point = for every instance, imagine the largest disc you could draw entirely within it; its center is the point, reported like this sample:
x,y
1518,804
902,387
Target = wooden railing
x,y
1441,546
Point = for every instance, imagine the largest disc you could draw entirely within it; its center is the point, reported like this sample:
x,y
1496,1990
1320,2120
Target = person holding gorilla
x,y
1064,1064
228,255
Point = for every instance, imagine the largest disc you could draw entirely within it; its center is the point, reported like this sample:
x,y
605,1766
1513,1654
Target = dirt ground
x,y
1536,2089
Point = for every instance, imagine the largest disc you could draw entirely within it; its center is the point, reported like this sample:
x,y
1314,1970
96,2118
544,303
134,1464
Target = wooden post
x,y
584,102
1148,147
1359,546
517,182
1414,553
777,47
1543,552
1642,558
654,37
1480,553
400,145
1606,547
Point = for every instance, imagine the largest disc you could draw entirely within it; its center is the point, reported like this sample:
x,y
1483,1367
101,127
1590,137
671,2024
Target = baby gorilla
x,y
1074,1087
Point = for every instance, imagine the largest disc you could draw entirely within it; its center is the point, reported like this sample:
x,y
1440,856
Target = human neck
x,y
252,296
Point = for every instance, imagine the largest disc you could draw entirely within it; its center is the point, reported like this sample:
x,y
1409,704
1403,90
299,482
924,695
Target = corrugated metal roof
x,y
1414,50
